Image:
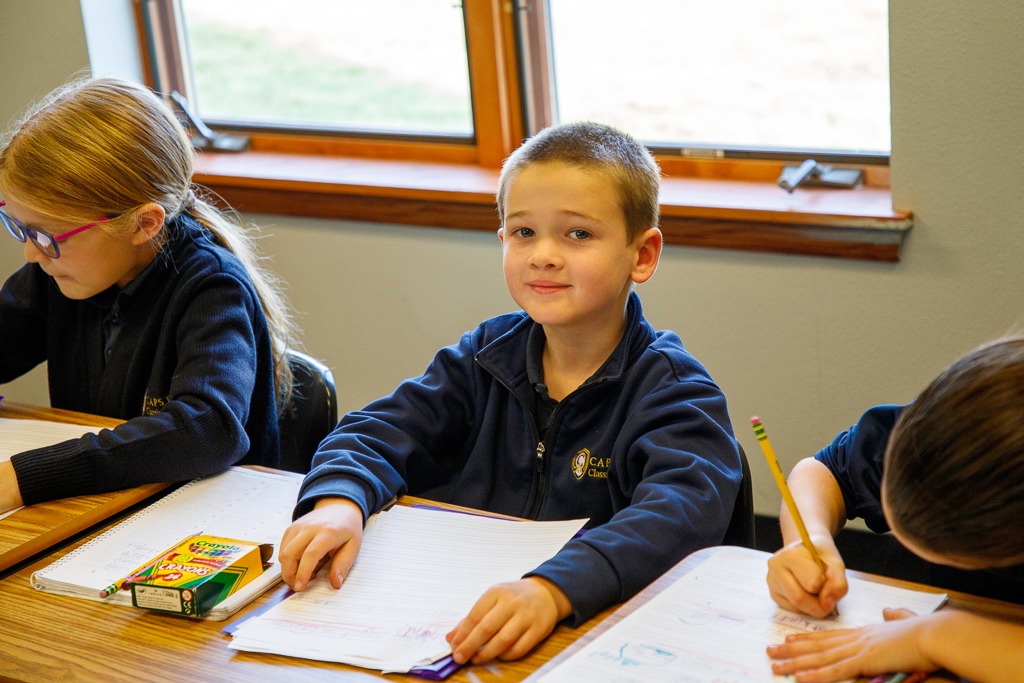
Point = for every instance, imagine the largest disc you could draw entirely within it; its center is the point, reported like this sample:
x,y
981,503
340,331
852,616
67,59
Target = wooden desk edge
x,y
117,500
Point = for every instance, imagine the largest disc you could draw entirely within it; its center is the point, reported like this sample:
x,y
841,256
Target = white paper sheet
x,y
714,624
419,572
17,436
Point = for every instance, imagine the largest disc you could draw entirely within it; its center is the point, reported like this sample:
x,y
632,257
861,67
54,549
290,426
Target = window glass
x,y
397,66
736,74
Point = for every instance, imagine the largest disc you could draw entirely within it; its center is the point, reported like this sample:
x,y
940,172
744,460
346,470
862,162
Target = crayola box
x,y
197,574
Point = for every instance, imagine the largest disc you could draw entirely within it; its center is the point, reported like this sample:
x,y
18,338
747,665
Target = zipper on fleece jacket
x,y
540,464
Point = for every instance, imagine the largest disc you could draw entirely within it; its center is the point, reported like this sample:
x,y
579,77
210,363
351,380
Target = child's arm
x,y
794,578
976,647
508,621
333,528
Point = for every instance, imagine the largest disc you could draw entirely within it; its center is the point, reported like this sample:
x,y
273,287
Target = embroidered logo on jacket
x,y
152,406
583,463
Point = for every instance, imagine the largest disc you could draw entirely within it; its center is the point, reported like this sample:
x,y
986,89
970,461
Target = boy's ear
x,y
501,236
648,253
149,220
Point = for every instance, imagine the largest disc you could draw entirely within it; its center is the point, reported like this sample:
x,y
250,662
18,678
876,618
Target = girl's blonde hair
x,y
105,147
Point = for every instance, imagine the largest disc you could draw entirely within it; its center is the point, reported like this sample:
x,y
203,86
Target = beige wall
x,y
807,343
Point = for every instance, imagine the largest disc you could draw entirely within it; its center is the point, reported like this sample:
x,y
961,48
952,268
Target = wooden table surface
x,y
36,528
46,637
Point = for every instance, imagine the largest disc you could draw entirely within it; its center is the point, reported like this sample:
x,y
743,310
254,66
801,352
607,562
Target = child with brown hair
x,y
946,476
572,407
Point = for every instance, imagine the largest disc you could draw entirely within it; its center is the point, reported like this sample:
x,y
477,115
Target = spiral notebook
x,y
247,504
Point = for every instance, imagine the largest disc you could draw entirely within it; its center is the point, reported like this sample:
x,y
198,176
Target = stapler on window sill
x,y
812,174
203,137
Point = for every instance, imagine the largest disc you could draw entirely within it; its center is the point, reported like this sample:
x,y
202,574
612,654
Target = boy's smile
x,y
564,251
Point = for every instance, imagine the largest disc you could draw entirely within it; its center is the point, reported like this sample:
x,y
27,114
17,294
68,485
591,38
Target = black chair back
x,y
741,526
312,414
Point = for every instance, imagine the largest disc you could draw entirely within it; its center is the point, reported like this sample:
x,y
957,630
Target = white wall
x,y
807,343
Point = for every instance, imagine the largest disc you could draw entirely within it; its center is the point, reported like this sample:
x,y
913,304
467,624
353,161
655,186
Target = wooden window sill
x,y
749,215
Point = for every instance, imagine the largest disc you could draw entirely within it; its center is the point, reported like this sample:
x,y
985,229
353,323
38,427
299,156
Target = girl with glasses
x,y
146,302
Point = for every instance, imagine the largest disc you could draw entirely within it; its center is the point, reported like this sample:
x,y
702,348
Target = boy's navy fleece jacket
x,y
182,353
644,449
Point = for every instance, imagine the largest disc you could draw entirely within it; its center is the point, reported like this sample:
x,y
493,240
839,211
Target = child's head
x,y
629,166
953,482
98,148
110,150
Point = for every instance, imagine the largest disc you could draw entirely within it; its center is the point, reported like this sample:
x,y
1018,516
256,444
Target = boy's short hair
x,y
629,165
953,477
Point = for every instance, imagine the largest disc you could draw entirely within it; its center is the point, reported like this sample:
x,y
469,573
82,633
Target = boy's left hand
x,y
822,656
508,620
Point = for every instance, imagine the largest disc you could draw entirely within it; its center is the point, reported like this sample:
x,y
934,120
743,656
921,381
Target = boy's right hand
x,y
333,529
796,583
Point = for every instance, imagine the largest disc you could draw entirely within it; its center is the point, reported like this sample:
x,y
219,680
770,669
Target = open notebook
x,y
250,505
419,572
714,624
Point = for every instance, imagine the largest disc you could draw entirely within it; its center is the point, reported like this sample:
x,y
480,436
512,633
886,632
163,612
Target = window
x,y
725,92
687,77
737,77
330,66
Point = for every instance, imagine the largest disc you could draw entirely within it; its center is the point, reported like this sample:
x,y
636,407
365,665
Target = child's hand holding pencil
x,y
809,575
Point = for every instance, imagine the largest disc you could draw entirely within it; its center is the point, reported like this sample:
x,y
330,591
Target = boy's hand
x,y
821,656
796,583
333,528
508,620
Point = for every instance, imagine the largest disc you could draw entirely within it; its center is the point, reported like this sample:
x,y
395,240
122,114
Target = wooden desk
x,y
46,637
37,528
993,607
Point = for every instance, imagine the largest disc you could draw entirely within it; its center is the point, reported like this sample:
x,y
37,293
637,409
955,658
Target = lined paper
x,y
419,571
714,623
18,436
244,504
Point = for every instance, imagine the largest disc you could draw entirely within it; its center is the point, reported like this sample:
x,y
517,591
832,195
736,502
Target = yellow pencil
x,y
773,464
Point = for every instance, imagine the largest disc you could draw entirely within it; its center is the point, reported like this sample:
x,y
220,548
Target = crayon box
x,y
197,574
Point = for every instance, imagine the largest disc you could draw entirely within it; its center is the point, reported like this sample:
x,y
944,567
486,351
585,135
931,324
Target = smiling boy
x,y
572,407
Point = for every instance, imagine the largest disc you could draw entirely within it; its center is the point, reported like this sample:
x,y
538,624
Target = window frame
x,y
706,202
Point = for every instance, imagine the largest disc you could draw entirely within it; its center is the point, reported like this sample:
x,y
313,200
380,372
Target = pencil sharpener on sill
x,y
812,174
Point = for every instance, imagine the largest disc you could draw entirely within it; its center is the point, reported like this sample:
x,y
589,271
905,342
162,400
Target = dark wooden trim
x,y
748,216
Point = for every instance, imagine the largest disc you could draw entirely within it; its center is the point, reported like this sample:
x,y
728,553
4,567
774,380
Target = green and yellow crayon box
x,y
197,574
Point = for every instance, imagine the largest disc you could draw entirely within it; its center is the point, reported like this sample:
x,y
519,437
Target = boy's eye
x,y
523,232
579,234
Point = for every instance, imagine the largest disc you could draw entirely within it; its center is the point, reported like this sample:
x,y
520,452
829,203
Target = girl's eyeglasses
x,y
44,241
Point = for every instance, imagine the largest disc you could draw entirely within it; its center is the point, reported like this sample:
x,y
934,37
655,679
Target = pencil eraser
x,y
754,420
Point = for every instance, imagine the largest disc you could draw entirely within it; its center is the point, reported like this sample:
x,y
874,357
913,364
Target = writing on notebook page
x,y
713,625
419,571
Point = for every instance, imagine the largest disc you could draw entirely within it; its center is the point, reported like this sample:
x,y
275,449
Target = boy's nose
x,y
545,254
